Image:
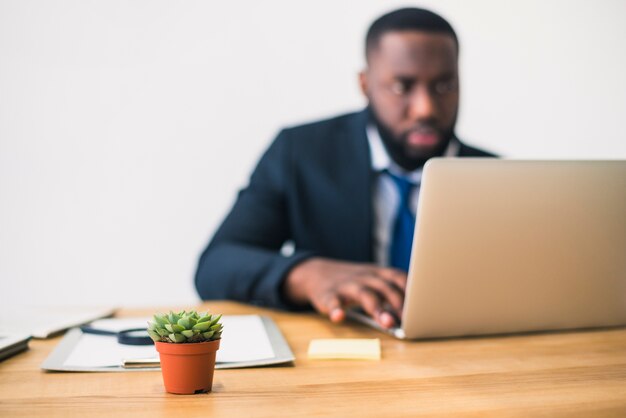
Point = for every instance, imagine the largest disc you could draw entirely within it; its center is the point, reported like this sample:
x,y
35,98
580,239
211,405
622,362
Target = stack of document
x,y
19,324
247,341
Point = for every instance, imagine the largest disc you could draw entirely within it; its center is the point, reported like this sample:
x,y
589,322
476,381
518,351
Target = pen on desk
x,y
137,363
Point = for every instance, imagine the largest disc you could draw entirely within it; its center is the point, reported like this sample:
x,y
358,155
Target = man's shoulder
x,y
470,151
326,141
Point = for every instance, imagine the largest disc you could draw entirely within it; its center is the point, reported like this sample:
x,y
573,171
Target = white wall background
x,y
126,127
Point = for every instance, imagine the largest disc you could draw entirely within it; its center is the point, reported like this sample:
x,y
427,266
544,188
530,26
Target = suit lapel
x,y
355,176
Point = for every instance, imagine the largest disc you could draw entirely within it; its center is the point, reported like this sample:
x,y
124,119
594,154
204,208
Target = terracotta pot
x,y
188,367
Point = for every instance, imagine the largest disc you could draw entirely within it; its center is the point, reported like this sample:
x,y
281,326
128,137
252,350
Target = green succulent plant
x,y
185,327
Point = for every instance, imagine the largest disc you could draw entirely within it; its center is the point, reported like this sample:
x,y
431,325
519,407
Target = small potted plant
x,y
187,343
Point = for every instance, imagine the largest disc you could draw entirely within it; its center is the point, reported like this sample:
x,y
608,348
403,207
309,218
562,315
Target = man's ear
x,y
363,84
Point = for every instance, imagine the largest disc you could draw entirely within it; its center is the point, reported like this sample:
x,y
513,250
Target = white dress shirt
x,y
386,195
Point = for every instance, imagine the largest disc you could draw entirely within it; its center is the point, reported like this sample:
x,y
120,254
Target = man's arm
x,y
243,260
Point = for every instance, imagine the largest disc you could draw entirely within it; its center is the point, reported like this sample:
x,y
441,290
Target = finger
x,y
329,303
397,277
337,315
364,296
386,320
372,303
390,293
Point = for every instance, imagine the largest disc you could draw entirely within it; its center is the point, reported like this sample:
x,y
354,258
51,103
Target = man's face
x,y
412,86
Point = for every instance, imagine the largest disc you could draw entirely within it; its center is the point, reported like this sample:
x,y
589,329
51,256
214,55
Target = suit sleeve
x,y
243,260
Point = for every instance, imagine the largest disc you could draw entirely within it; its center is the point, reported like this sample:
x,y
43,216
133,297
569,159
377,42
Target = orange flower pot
x,y
188,368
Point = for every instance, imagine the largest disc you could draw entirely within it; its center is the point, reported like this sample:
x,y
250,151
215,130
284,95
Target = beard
x,y
407,157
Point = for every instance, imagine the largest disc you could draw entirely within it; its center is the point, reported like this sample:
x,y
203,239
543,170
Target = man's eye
x,y
445,86
400,87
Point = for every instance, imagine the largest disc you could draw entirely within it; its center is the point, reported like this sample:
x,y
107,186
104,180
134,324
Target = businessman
x,y
342,193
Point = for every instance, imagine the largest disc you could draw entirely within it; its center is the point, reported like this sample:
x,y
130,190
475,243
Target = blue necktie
x,y
403,226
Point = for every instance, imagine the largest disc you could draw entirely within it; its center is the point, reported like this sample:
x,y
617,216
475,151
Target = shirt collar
x,y
382,161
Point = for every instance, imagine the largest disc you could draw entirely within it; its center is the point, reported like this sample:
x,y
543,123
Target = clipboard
x,y
280,351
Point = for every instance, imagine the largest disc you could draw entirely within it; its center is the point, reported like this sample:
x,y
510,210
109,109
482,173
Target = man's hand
x,y
330,286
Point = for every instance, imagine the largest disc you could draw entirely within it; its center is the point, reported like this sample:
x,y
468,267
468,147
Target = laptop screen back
x,y
507,246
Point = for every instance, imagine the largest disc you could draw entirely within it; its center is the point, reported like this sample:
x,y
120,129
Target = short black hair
x,y
407,19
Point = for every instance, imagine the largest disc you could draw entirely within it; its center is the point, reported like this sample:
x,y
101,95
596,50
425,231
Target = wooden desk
x,y
565,374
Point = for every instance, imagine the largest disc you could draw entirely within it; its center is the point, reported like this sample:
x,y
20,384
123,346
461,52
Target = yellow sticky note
x,y
345,348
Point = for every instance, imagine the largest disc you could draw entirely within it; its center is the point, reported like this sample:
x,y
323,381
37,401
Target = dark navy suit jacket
x,y
313,186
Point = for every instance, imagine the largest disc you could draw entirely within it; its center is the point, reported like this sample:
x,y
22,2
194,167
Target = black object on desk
x,y
12,344
132,336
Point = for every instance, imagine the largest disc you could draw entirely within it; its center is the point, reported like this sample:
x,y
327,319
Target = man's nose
x,y
422,104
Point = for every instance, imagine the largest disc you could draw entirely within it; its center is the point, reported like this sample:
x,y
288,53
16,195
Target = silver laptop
x,y
507,246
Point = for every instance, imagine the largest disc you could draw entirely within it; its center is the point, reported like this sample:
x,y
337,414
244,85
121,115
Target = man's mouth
x,y
427,137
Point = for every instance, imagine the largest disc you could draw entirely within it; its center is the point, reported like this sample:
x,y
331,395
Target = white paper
x,y
104,351
244,339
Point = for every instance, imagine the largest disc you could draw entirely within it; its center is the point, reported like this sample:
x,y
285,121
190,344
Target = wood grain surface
x,y
578,374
